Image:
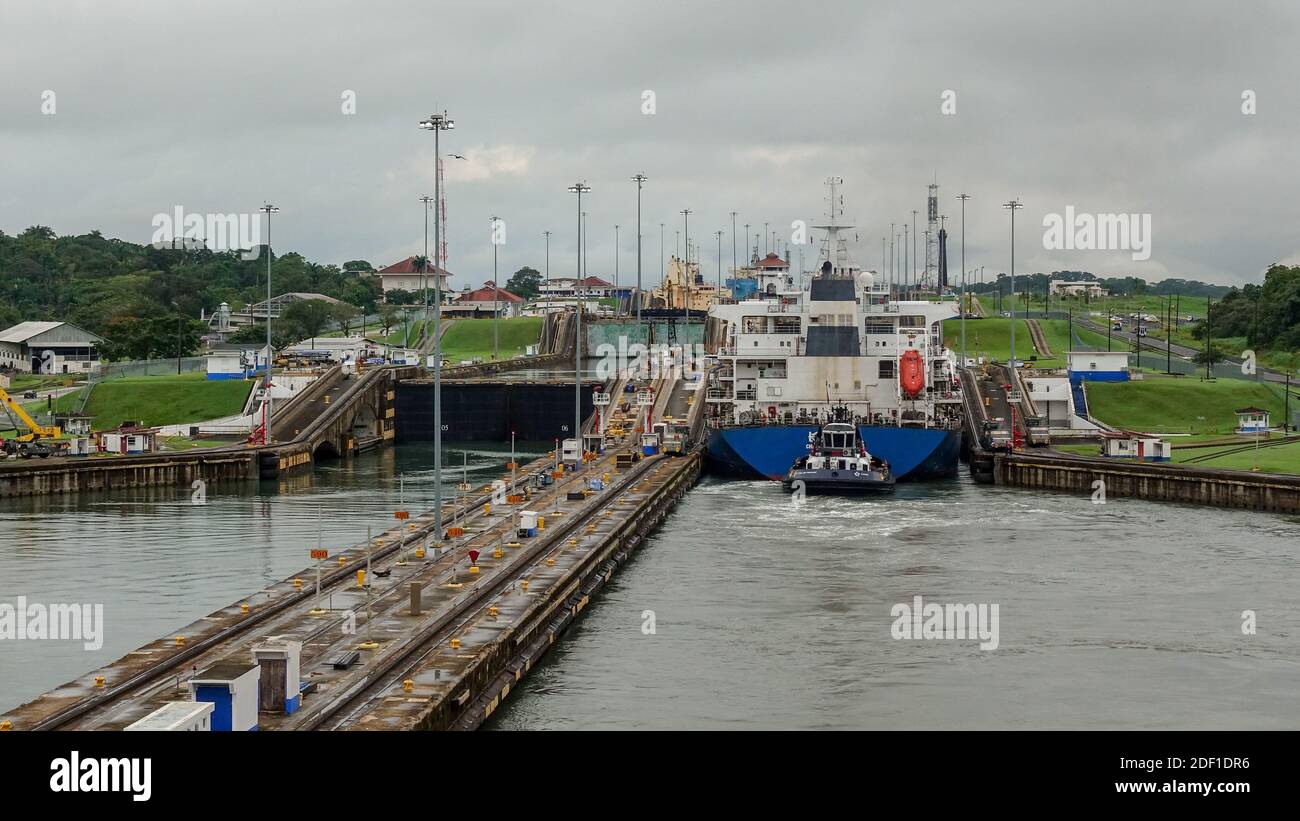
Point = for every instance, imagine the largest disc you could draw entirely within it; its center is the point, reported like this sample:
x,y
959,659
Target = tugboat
x,y
838,462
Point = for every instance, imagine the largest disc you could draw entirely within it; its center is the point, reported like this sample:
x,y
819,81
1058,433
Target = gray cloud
x,y
1106,106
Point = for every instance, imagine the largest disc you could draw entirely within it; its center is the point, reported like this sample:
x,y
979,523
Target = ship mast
x,y
835,249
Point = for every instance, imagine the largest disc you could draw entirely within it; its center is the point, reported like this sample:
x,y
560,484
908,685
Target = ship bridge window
x,y
880,326
786,324
886,369
754,324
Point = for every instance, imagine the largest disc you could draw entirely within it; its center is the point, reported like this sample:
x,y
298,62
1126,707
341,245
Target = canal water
x,y
746,610
156,561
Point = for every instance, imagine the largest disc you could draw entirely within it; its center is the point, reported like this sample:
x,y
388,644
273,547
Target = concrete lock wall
x,y
1218,488
488,411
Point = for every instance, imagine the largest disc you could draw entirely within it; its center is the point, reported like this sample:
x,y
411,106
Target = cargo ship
x,y
802,344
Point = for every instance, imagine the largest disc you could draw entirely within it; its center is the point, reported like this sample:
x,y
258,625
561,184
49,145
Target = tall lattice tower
x,y
932,240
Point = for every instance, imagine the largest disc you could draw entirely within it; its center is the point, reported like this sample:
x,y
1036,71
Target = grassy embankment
x,y
991,338
1204,410
156,400
468,338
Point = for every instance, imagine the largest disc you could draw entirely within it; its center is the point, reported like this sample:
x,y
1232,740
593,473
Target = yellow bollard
x,y
419,552
496,552
455,644
541,522
492,611
473,569
550,561
573,541
180,641
6,726
607,478
297,583
408,685
361,578
523,585
487,508
343,560
243,608
99,681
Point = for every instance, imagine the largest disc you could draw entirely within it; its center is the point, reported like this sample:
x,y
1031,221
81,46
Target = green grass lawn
x,y
992,338
1281,459
1180,405
160,400
468,338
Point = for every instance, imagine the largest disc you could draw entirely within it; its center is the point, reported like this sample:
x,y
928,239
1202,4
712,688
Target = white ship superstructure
x,y
830,337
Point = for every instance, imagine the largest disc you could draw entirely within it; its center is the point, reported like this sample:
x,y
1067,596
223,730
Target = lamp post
x,y
618,303
907,266
267,209
719,235
733,244
179,318
578,188
639,179
916,281
496,295
437,123
1013,206
686,217
547,234
963,198
424,262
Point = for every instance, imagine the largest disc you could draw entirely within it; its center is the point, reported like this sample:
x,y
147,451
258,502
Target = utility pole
x,y
268,209
618,303
719,234
496,293
686,217
437,123
733,244
1013,206
578,188
963,198
639,179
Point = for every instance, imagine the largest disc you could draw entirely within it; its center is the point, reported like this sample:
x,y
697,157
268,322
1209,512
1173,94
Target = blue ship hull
x,y
768,451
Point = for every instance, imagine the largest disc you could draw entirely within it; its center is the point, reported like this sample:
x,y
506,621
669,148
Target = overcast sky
x,y
1109,107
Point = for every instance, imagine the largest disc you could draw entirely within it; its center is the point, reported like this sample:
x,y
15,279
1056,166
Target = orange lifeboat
x,y
911,373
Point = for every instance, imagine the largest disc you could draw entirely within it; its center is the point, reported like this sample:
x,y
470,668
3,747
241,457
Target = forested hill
x,y
133,294
97,283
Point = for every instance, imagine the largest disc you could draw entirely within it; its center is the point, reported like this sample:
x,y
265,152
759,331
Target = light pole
x,y
267,209
424,263
662,269
1013,206
639,179
907,266
733,244
751,255
686,216
963,198
578,188
437,123
915,258
618,303
719,235
496,296
179,318
547,234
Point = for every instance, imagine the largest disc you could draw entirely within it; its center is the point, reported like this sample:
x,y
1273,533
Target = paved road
x,y
1231,365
